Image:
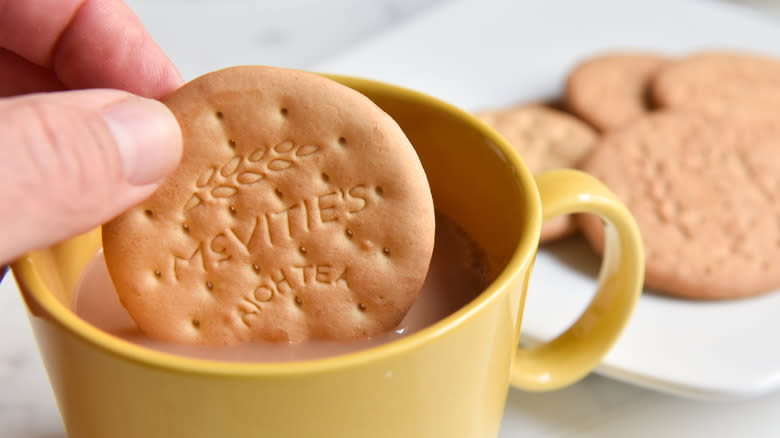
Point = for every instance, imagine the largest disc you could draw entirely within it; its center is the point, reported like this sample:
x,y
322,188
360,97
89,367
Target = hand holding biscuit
x,y
70,160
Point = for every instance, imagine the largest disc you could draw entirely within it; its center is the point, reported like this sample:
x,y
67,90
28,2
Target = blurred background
x,y
293,33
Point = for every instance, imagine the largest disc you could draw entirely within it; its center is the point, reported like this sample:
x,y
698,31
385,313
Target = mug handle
x,y
578,350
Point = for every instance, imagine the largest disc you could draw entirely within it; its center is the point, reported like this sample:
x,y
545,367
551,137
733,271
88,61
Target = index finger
x,y
88,44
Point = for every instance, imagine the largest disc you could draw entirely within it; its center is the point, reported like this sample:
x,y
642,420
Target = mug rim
x,y
521,260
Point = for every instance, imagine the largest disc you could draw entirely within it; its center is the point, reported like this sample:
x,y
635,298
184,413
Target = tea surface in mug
x,y
458,273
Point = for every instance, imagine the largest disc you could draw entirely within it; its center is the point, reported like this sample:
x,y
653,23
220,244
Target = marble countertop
x,y
304,34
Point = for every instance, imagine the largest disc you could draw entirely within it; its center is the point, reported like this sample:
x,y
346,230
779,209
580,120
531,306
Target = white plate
x,y
479,53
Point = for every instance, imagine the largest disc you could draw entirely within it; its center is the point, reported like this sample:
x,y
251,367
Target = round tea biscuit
x,y
706,196
611,89
300,210
546,139
730,84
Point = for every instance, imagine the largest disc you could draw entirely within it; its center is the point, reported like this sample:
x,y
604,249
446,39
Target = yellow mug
x,y
447,380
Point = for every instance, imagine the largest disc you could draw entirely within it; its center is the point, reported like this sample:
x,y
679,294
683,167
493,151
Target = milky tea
x,y
458,273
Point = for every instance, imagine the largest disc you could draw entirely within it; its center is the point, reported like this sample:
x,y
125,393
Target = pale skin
x,y
82,137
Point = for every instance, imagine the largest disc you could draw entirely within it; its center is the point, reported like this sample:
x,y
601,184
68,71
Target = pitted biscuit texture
x,y
546,139
706,196
300,210
611,89
726,84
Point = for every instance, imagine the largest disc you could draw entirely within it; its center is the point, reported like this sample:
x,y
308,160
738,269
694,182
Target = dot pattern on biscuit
x,y
546,139
730,84
611,89
298,203
706,196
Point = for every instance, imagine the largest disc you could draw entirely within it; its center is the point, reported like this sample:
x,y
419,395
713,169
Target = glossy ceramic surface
x,y
450,379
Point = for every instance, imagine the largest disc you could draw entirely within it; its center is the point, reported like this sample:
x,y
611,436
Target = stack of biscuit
x,y
691,145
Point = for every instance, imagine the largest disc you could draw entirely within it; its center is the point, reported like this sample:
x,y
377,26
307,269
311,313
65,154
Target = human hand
x,y
71,160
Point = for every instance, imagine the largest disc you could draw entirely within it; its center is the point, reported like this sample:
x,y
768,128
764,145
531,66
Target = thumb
x,y
72,160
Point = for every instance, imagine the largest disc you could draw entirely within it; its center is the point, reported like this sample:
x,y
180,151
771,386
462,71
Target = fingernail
x,y
147,136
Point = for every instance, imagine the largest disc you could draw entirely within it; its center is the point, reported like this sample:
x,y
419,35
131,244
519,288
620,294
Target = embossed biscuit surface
x,y
546,139
611,89
300,210
733,84
706,196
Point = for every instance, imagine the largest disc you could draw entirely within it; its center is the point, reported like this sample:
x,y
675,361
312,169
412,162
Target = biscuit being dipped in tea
x,y
300,210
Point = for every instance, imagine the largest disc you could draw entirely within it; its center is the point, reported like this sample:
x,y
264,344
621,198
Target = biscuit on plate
x,y
706,196
609,90
546,139
724,84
